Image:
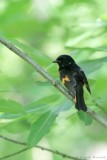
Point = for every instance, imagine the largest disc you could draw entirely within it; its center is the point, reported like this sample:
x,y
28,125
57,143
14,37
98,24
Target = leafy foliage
x,y
85,118
40,128
29,105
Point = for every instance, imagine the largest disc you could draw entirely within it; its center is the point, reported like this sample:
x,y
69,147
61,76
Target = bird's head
x,y
64,60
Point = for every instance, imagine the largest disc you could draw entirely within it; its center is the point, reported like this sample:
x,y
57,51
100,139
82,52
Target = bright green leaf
x,y
63,106
40,128
104,49
10,106
91,66
17,125
41,58
9,116
85,117
42,103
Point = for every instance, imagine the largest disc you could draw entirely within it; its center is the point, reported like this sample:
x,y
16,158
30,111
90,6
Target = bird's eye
x,y
61,60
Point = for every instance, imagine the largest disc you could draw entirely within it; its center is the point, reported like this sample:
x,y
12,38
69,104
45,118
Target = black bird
x,y
73,77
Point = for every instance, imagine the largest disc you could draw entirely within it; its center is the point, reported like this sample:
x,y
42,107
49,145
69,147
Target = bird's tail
x,y
80,103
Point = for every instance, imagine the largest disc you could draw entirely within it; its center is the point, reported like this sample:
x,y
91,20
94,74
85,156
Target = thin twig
x,y
14,154
99,106
41,71
40,147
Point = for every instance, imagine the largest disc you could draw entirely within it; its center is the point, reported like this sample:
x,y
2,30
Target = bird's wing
x,y
82,77
68,79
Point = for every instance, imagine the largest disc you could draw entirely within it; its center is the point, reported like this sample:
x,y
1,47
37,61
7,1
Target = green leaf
x,y
41,58
10,116
85,117
92,65
77,39
10,106
42,104
40,128
17,126
14,110
63,106
104,49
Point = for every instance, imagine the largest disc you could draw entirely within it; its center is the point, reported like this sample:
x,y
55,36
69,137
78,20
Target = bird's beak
x,y
55,61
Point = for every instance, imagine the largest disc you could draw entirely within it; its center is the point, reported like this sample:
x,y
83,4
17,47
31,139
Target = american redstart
x,y
73,77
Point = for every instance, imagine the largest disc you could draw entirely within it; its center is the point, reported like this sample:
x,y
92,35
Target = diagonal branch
x,y
13,154
37,146
41,71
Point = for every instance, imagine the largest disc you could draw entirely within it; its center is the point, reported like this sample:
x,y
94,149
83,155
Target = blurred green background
x,y
45,29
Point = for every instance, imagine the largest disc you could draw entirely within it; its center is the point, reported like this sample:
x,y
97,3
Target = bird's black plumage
x,y
74,79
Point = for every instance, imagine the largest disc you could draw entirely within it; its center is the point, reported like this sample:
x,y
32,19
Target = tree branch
x,y
99,106
37,146
38,68
41,71
14,154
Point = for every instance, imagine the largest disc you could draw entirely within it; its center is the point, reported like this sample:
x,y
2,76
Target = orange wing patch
x,y
65,79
